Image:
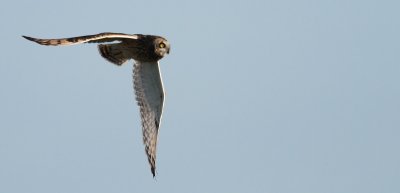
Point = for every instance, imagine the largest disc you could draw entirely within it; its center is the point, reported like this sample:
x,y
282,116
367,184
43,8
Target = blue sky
x,y
262,96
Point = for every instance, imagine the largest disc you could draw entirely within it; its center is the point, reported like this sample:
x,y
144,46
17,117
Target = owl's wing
x,y
150,98
97,38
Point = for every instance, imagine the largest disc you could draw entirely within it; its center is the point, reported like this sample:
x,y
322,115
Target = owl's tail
x,y
113,53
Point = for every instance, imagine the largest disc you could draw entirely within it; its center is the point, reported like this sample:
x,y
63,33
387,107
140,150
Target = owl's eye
x,y
161,45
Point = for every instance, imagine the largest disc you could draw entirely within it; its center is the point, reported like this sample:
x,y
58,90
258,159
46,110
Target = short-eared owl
x,y
146,51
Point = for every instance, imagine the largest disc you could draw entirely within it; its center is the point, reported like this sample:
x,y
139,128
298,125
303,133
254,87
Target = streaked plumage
x,y
146,50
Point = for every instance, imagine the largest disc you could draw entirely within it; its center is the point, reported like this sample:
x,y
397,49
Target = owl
x,y
146,51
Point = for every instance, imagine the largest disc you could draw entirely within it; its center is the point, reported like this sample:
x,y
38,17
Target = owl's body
x,y
146,51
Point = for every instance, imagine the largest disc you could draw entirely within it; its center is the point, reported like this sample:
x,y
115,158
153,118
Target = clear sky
x,y
262,96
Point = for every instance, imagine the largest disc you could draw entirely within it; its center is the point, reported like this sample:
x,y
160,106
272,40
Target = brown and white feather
x,y
98,38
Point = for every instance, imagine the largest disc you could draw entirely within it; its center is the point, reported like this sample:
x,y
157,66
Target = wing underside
x,y
150,98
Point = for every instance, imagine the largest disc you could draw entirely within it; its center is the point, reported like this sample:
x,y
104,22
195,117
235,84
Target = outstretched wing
x,y
97,38
150,98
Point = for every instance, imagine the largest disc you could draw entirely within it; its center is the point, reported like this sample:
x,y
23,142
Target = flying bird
x,y
146,51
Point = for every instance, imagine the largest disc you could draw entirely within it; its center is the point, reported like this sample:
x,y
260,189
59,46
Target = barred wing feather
x,y
150,98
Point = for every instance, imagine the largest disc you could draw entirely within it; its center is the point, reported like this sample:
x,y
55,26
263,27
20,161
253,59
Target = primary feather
x,y
98,38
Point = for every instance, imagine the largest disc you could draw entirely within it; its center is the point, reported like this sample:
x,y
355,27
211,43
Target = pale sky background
x,y
262,96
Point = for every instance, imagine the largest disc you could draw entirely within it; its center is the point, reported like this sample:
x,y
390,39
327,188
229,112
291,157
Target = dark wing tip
x,y
35,40
29,38
153,171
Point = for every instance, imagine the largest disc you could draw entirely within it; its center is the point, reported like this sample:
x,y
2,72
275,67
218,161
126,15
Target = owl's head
x,y
161,46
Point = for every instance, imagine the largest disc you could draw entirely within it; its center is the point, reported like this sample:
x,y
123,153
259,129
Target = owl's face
x,y
161,47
